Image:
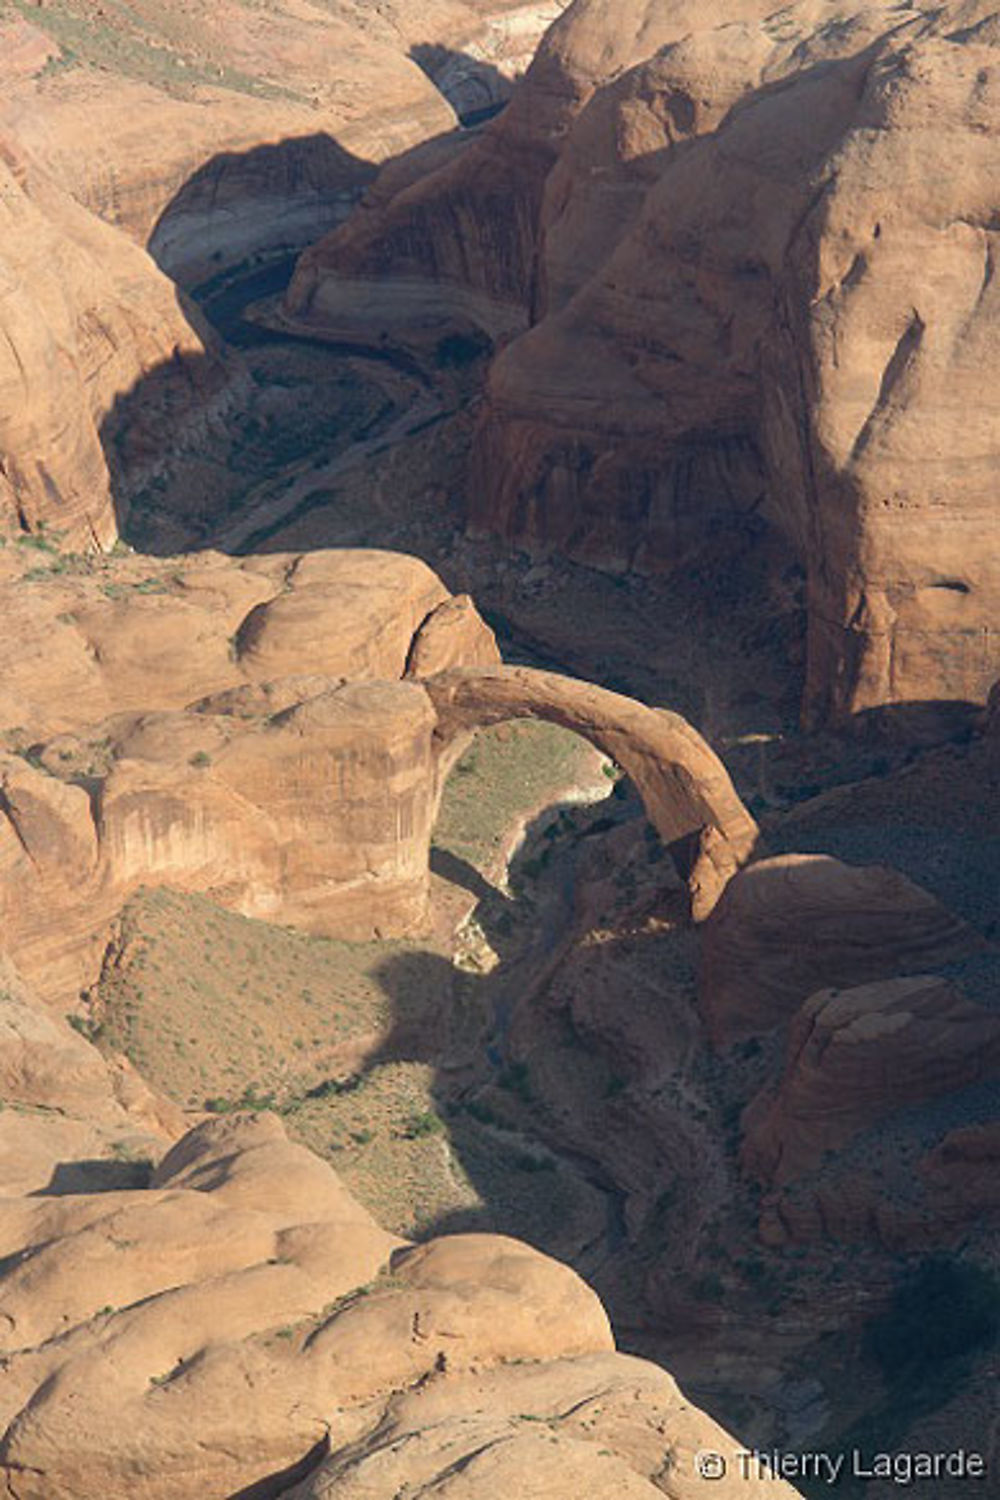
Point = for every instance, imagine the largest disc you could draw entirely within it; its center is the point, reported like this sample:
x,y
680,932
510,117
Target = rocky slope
x,y
269,118
362,1363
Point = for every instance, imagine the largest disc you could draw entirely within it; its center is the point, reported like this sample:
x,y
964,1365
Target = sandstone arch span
x,y
686,790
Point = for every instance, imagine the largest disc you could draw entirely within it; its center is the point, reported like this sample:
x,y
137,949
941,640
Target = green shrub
x,y
947,1309
425,1123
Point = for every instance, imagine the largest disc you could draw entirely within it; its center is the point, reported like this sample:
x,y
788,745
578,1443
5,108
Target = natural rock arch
x,y
686,790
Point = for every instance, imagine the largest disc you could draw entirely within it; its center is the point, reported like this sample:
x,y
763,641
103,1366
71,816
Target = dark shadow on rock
x,y
476,90
244,205
461,873
276,1485
99,1175
229,239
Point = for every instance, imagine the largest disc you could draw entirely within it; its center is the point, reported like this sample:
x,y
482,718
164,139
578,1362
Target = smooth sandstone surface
x,y
149,634
793,924
133,1319
240,729
856,1056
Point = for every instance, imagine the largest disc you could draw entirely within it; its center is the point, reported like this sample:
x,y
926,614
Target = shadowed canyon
x,y
499,749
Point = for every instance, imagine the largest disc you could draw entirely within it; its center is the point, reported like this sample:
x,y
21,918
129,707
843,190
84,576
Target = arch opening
x,y
685,788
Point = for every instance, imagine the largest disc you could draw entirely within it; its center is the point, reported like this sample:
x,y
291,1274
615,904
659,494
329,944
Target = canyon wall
x,y
793,327
753,255
85,315
206,140
460,243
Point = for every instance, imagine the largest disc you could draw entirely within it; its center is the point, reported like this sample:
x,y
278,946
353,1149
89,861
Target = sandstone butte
x,y
839,967
748,309
860,1055
281,733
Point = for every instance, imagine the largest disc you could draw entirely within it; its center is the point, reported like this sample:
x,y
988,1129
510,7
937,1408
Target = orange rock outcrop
x,y
243,1322
791,925
857,1056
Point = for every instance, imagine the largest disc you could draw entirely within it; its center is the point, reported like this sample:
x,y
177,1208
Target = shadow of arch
x,y
686,790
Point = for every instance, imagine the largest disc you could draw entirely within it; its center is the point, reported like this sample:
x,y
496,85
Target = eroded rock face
x,y
790,925
460,243
85,316
266,115
240,759
239,133
132,1319
318,815
283,733
759,310
600,1425
857,1056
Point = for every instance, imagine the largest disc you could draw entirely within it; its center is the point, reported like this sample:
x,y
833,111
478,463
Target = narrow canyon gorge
x,y
499,749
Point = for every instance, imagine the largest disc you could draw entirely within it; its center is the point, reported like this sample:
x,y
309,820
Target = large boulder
x,y
857,1056
243,1323
789,926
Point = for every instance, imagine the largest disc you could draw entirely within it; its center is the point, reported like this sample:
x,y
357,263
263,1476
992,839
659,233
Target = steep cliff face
x,y
235,728
761,312
85,315
882,433
268,119
207,138
462,241
195,134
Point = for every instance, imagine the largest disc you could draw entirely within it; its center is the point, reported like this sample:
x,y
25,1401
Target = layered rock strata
x,y
792,925
283,731
857,1056
751,312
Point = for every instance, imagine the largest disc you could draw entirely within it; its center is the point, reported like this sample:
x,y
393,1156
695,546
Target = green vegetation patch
x,y
508,773
211,1005
144,40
